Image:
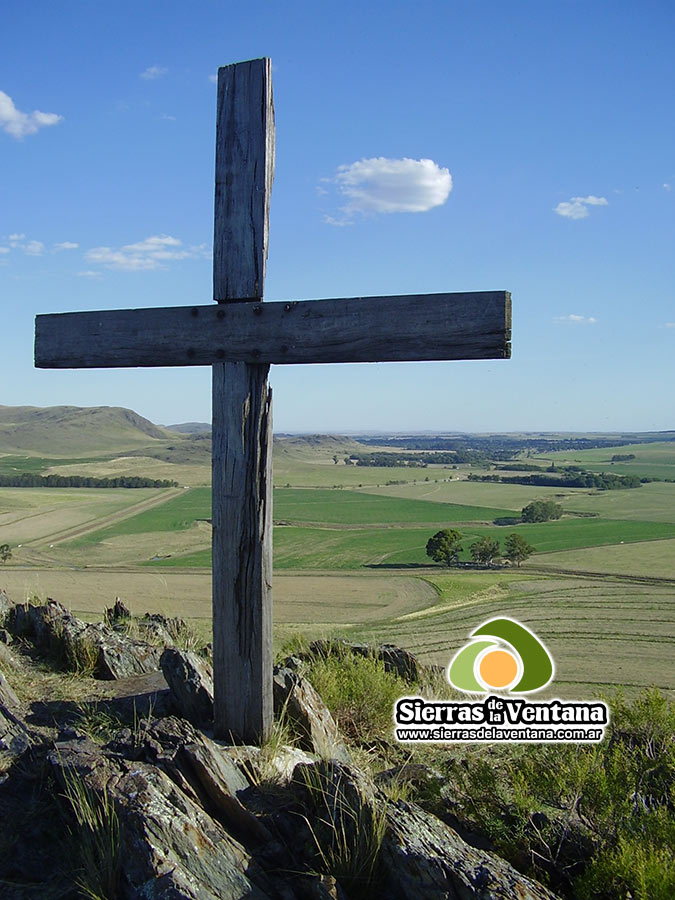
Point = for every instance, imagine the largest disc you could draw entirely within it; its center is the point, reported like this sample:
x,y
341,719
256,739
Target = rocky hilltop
x,y
127,795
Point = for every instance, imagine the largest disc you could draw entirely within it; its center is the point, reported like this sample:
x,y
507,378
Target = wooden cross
x,y
239,337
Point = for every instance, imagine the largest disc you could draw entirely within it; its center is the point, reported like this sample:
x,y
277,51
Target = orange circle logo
x,y
498,668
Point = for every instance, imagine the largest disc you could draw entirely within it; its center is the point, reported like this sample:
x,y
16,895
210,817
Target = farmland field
x,y
351,560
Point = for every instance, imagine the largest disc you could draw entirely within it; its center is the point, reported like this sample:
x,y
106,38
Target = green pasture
x,y
656,460
480,493
647,559
175,515
297,505
356,508
324,547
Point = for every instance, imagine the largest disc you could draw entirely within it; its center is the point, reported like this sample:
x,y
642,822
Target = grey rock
x,y
319,733
426,859
190,679
5,607
171,849
420,856
51,627
116,613
287,758
15,738
5,636
7,696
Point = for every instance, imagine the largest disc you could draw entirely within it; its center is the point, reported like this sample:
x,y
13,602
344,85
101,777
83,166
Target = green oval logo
x,y
504,656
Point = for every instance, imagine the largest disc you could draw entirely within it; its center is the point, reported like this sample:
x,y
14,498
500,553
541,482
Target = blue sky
x,y
552,120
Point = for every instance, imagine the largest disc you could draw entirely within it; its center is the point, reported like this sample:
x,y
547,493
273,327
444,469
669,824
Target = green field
x,y
653,460
351,561
356,508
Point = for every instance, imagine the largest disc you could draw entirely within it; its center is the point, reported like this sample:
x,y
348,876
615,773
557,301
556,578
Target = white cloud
x,y
667,187
576,320
153,72
18,123
89,273
15,239
670,325
144,255
213,79
34,248
66,245
167,118
4,249
577,207
381,185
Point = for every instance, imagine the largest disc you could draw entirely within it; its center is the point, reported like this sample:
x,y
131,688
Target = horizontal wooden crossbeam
x,y
359,329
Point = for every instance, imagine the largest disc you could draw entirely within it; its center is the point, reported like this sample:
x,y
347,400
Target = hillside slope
x,y
75,431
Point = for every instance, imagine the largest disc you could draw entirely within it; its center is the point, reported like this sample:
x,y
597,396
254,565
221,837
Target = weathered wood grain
x,y
242,412
244,174
362,329
242,551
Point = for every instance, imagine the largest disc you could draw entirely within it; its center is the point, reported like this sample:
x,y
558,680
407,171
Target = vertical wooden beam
x,y
242,416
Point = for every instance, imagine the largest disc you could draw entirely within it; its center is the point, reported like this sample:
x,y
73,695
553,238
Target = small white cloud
x,y
18,124
144,255
670,325
667,186
89,273
4,250
154,72
34,248
213,78
381,185
574,319
167,118
577,207
15,239
66,245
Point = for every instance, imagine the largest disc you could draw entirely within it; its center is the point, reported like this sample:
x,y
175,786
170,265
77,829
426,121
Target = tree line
x,y
28,479
601,481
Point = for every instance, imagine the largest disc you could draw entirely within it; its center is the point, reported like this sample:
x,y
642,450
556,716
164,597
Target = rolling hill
x,y
76,431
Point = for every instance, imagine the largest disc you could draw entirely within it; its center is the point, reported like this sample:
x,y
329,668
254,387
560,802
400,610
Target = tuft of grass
x,y
78,655
347,831
95,834
96,722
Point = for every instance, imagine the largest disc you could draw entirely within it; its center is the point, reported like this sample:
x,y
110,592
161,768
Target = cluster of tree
x,y
5,552
446,545
601,481
28,479
541,511
622,457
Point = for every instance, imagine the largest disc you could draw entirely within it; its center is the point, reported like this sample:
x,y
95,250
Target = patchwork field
x,y
350,560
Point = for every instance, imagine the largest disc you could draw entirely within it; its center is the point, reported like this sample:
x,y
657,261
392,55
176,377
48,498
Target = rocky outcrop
x,y
190,679
169,847
82,646
318,733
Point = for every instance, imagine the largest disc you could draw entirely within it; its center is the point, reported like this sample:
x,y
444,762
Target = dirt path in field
x,y
103,521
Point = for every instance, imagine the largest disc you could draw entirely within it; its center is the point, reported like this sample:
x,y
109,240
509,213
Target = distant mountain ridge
x,y
75,430
190,428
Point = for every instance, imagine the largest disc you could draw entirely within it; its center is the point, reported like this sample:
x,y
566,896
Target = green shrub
x,y
596,820
359,693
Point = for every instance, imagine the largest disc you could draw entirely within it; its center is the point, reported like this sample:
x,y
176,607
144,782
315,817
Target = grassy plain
x,y
352,561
